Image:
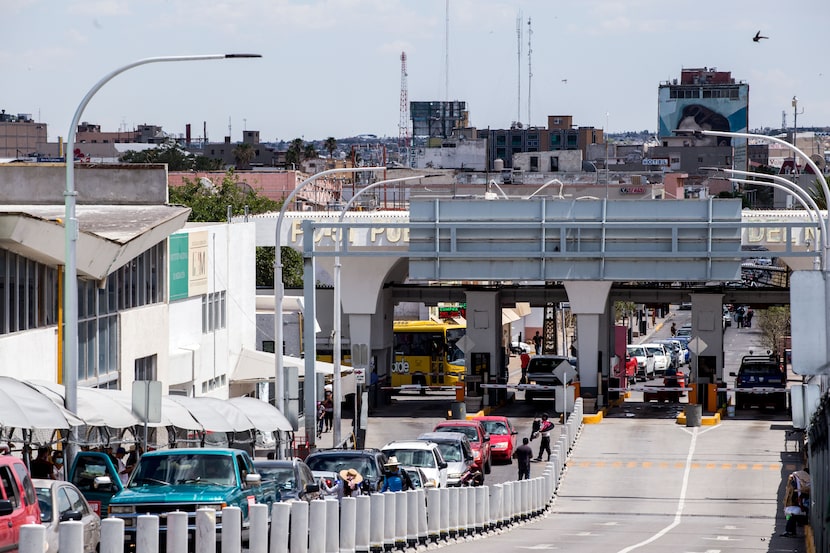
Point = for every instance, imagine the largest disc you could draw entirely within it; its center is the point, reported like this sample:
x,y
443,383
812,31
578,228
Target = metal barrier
x,y
377,522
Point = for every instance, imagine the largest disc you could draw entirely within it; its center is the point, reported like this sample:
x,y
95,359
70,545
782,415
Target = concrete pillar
x,y
484,329
707,324
589,301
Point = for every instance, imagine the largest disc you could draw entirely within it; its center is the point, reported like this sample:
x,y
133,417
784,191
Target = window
x,y
28,293
146,368
214,311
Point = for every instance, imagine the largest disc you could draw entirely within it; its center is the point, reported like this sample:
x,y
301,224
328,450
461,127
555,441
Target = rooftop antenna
x,y
229,126
519,68
447,50
529,68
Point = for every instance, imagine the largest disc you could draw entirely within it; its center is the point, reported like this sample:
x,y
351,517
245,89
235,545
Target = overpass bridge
x,y
495,253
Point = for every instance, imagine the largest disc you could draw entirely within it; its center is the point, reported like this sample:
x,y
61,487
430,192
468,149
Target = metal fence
x,y
818,451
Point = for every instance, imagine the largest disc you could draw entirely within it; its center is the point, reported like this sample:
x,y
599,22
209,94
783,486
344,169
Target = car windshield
x,y
283,477
451,452
496,428
413,457
469,431
656,350
336,463
165,470
44,501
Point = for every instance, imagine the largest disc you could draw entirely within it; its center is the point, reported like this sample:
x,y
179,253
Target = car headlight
x,y
121,509
454,475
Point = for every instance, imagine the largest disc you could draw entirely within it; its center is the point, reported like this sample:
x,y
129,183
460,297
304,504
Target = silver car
x,y
60,501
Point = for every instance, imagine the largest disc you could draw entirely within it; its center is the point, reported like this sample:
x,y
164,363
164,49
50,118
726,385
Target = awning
x,y
95,406
215,415
172,413
258,366
264,416
22,406
508,315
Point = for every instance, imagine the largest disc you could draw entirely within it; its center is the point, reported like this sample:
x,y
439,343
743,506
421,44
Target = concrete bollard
x,y
333,526
298,540
452,522
413,519
480,501
495,511
147,534
434,514
401,518
363,512
348,522
463,511
258,530
205,530
231,530
389,520
112,535
317,526
280,526
71,536
376,521
507,504
33,539
445,512
177,536
421,509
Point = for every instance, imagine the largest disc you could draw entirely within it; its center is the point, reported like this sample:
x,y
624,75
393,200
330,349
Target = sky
x,y
333,68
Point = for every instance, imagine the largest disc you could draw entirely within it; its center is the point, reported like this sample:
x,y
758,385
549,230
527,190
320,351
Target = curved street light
x,y
70,268
337,318
279,290
552,181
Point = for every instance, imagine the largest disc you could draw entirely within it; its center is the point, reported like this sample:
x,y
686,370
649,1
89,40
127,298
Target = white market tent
x,y
22,406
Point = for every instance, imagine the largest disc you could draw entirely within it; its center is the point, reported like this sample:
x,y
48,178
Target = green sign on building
x,y
178,244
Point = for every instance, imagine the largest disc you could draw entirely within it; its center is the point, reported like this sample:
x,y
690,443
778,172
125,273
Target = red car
x,y
502,437
18,502
478,436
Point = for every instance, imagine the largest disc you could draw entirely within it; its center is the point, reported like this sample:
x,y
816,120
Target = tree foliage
x,y
330,145
243,154
817,193
176,158
210,203
298,151
292,267
774,323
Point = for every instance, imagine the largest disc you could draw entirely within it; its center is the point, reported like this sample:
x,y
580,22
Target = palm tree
x,y
817,193
243,154
294,154
330,145
309,151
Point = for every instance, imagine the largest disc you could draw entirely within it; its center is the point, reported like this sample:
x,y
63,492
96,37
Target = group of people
x,y
325,414
46,465
743,316
523,454
350,482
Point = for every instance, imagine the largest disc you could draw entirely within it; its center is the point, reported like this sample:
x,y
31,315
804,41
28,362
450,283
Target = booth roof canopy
x,y
256,366
39,405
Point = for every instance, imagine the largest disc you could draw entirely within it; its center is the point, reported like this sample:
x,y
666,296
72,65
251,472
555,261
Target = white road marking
x,y
723,538
681,501
547,546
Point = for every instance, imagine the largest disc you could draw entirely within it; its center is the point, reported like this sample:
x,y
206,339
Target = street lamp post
x,y
279,289
337,319
70,269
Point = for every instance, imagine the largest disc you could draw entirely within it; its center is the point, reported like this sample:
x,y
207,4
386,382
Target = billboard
x,y
721,107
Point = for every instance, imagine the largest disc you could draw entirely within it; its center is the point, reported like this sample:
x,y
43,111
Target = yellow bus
x,y
426,354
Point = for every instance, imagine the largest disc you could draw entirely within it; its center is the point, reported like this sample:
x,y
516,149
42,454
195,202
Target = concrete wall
x,y
44,183
566,160
143,332
465,154
32,354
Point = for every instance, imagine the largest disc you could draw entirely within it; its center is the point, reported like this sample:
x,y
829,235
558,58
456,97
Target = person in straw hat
x,y
395,479
348,484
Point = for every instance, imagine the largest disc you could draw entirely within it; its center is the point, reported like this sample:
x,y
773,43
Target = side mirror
x,y
103,483
514,433
312,488
6,507
733,374
253,479
487,437
442,465
71,515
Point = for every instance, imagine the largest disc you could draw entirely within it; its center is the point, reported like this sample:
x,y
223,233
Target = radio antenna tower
x,y
403,123
447,50
519,68
529,68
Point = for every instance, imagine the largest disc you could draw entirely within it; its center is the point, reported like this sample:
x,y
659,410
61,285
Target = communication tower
x,y
403,124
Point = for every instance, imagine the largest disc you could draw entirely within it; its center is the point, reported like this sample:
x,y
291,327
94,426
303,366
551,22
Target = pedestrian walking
x,y
673,329
321,418
544,431
523,454
525,358
748,317
328,404
537,343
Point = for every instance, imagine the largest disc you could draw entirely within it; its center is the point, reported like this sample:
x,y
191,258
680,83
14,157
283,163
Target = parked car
x,y
417,477
517,348
18,501
502,437
645,361
675,350
424,455
458,453
478,436
327,463
685,330
95,475
292,477
761,381
60,501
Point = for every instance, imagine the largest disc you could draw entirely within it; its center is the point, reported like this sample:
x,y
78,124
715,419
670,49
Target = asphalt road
x,y
640,482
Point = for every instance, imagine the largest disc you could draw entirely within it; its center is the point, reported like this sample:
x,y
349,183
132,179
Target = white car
x,y
662,359
424,455
645,361
60,501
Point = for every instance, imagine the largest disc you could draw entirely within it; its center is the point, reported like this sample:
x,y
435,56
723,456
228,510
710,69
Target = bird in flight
x,y
758,37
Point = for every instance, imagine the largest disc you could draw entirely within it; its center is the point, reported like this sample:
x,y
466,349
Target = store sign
x,y
656,161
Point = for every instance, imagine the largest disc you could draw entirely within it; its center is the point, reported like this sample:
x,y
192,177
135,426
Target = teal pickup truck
x,y
186,480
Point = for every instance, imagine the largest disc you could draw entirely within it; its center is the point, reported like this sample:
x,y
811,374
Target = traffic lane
x,y
411,415
654,486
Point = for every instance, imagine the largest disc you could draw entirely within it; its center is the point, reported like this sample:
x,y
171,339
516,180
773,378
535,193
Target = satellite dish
x,y
819,160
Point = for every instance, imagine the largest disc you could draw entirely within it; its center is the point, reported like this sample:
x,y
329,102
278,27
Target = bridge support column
x,y
487,360
589,302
